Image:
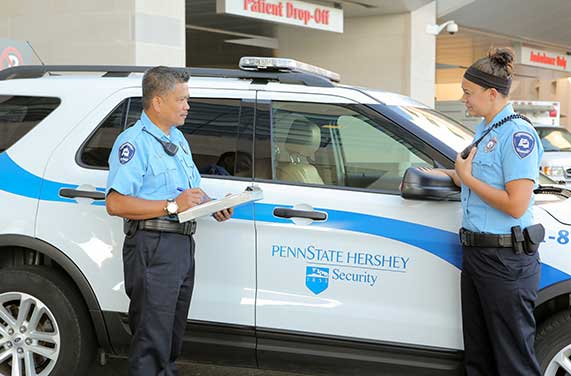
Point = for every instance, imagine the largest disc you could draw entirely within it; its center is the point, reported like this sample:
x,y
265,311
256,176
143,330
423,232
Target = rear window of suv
x,y
19,114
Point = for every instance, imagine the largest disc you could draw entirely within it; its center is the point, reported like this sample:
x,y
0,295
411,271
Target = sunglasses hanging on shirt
x,y
168,146
466,151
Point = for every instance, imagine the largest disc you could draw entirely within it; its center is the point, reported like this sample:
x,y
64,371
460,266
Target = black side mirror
x,y
422,185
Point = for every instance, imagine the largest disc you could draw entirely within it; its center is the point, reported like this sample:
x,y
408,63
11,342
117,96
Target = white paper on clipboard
x,y
211,207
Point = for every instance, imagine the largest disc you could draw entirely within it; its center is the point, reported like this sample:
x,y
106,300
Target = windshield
x,y
448,130
439,125
555,139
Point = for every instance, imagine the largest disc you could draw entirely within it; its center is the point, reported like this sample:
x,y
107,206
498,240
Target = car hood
x,y
561,211
556,158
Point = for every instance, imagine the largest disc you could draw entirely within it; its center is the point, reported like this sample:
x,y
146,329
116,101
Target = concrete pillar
x,y
422,59
391,52
129,32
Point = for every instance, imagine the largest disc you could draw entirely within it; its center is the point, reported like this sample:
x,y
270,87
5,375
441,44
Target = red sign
x,y
544,59
319,15
292,12
10,57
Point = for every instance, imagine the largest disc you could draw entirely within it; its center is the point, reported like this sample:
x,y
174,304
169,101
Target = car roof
x,y
552,127
63,81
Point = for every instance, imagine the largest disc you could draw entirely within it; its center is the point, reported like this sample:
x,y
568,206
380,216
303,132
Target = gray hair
x,y
161,80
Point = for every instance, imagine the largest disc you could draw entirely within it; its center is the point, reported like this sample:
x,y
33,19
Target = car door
x,y
219,125
340,254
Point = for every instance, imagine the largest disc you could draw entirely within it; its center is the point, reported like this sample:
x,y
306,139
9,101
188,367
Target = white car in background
x,y
556,161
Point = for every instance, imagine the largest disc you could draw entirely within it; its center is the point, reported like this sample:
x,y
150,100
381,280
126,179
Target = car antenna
x,y
35,53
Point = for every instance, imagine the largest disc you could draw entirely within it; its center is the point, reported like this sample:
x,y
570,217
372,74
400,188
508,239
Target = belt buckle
x,y
189,228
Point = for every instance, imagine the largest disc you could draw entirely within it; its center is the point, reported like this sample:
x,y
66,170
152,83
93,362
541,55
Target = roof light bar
x,y
281,64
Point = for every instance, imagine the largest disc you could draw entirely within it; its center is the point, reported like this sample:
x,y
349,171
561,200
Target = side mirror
x,y
419,185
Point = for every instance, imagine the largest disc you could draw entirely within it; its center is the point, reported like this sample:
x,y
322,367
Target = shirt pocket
x,y
483,166
158,175
190,167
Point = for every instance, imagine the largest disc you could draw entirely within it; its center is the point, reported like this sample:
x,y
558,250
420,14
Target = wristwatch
x,y
172,207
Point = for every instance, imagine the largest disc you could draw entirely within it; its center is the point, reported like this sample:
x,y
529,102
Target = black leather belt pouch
x,y
533,235
129,227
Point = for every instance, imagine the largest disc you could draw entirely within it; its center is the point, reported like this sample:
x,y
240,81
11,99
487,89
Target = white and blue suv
x,y
332,272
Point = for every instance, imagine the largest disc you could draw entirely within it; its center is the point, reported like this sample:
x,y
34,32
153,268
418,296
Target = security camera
x,y
451,28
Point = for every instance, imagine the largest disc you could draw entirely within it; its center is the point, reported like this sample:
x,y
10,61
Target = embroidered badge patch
x,y
490,145
126,152
523,143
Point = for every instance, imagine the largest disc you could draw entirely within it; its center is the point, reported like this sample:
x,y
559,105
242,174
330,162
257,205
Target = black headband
x,y
488,81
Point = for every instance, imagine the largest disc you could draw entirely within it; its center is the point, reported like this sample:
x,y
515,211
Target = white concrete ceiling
x,y
540,21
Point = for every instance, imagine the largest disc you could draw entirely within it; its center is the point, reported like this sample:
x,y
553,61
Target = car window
x,y
439,125
330,144
219,144
219,132
555,139
20,114
95,153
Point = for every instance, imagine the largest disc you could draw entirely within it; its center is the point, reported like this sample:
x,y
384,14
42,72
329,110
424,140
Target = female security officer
x,y
499,281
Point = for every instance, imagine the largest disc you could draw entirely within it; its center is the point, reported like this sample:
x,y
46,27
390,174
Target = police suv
x,y
334,271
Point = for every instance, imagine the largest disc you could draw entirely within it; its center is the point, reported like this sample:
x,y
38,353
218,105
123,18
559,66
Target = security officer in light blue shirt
x,y
144,169
152,177
509,152
500,266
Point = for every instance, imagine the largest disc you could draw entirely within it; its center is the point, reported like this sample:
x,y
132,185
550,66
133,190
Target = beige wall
x,y
134,32
375,52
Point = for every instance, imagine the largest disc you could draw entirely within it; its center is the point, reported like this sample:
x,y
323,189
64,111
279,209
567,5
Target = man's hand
x,y
464,166
224,215
189,198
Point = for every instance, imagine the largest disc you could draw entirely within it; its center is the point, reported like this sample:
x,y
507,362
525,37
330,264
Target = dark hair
x,y
499,62
160,80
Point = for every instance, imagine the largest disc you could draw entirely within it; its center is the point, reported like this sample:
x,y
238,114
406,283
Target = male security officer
x,y
152,177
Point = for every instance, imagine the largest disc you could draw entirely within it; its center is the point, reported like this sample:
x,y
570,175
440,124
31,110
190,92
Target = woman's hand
x,y
464,166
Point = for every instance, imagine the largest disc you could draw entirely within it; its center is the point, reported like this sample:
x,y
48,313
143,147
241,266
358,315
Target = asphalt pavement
x,y
118,367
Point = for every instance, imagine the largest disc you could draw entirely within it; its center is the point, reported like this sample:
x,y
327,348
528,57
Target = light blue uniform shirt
x,y
139,166
510,152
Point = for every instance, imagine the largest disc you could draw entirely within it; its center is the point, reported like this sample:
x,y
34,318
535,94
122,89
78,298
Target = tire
x,y
553,345
55,337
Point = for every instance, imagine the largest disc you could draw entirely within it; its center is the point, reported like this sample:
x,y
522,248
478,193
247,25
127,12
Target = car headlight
x,y
553,171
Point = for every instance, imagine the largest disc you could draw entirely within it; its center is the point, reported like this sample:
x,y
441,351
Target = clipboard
x,y
211,207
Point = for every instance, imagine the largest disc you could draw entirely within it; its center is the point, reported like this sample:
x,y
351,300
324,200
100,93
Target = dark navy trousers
x,y
159,278
499,289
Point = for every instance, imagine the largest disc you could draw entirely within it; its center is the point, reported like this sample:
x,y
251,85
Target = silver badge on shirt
x,y
491,145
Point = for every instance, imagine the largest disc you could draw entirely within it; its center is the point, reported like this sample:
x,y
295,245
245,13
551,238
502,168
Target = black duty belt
x,y
186,228
481,239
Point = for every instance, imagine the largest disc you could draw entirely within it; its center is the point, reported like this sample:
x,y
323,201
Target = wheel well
x,y
16,250
554,299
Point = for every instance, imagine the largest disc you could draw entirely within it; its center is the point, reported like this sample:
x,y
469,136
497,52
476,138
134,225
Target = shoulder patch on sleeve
x,y
523,143
126,152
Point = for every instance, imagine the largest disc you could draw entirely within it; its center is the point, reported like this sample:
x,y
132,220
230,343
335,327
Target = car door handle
x,y
76,193
295,213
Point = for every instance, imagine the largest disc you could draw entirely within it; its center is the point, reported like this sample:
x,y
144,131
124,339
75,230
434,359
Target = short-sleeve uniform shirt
x,y
511,151
140,167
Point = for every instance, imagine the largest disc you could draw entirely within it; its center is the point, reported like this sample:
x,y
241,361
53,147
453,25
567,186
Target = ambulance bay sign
x,y
544,59
291,12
